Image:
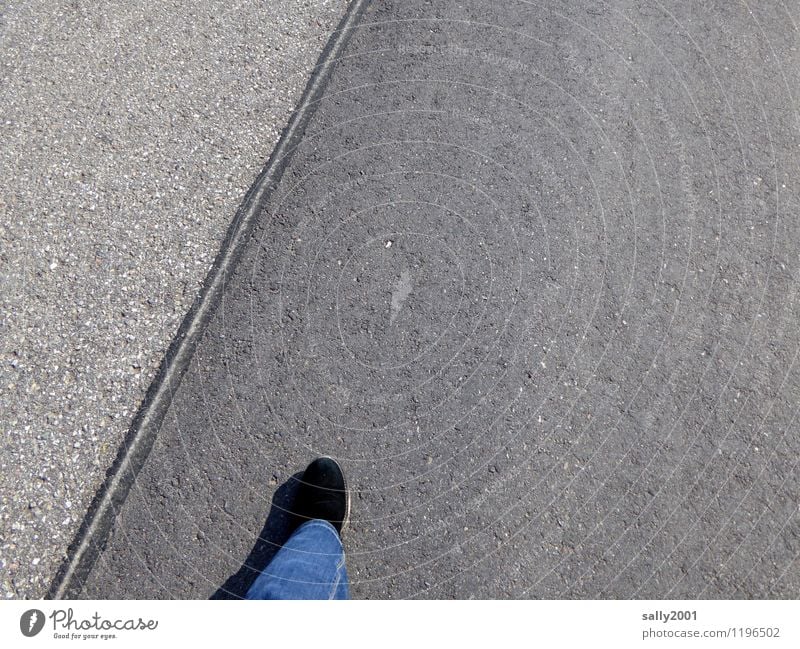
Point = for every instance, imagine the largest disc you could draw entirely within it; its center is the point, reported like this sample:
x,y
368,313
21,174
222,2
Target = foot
x,y
322,494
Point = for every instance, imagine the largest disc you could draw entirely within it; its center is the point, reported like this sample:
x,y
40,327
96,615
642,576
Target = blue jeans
x,y
310,565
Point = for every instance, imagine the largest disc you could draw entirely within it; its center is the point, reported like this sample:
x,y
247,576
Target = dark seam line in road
x,y
93,533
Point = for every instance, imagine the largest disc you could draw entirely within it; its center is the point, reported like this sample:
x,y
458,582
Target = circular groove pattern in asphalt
x,y
531,278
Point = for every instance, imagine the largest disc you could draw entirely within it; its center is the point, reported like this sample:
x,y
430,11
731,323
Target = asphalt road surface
x,y
532,277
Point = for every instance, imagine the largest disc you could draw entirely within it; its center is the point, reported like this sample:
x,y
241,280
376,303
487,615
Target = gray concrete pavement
x,y
532,277
131,131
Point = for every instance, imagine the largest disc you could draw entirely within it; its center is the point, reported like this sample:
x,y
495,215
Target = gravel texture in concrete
x,y
532,276
131,131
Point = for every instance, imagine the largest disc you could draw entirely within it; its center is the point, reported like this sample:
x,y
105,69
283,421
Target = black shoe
x,y
322,494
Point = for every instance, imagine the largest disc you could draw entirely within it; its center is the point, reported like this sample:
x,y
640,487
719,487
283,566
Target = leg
x,y
310,565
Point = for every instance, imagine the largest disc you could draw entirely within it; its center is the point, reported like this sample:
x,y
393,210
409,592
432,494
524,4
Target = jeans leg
x,y
310,565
